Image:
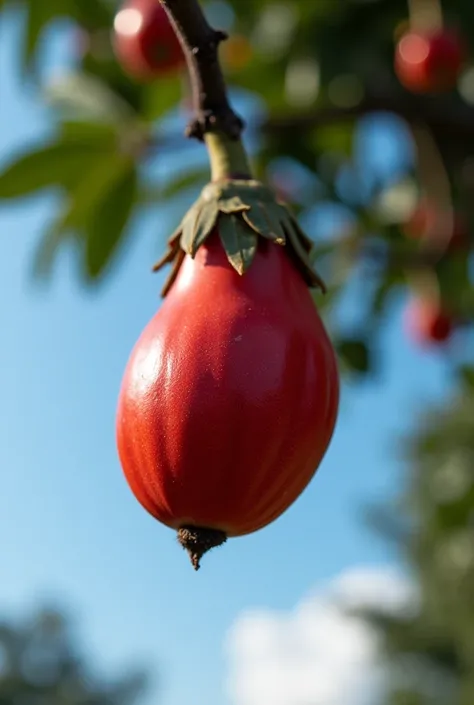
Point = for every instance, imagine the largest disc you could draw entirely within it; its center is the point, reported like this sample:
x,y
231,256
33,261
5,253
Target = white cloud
x,y
317,654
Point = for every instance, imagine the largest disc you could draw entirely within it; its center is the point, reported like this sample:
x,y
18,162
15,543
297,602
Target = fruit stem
x,y
200,43
228,157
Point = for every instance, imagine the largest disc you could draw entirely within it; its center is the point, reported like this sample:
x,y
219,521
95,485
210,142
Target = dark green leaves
x,y
101,186
91,14
197,226
106,224
239,242
46,250
62,163
244,211
161,97
99,183
39,15
466,374
354,354
97,218
81,95
54,165
301,254
258,219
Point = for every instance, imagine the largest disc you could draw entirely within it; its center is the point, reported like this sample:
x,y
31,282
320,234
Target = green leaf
x,y
205,223
239,242
161,96
274,214
454,278
97,215
188,226
302,257
306,241
84,95
466,373
355,354
107,223
92,14
47,249
95,134
89,14
39,15
232,205
94,187
334,138
256,218
55,164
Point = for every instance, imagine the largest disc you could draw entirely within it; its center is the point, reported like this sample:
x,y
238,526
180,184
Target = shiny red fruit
x,y
427,323
144,40
429,62
230,397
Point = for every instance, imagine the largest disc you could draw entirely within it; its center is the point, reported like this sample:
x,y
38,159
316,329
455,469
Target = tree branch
x,y
454,121
200,43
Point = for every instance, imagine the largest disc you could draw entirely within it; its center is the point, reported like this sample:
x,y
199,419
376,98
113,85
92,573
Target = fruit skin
x,y
429,62
424,221
144,40
427,323
230,397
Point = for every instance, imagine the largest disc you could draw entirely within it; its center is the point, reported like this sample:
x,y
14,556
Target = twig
x,y
200,44
454,121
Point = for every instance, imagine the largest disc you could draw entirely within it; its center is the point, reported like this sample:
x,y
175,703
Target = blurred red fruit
x,y
144,40
426,222
429,62
427,323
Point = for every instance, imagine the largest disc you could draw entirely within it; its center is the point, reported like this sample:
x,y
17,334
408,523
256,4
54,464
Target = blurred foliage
x,y
321,70
430,647
40,664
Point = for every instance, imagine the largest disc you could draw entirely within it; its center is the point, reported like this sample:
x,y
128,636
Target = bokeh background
x,y
362,593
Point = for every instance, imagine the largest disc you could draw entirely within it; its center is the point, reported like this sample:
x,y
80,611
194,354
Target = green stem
x,y
227,156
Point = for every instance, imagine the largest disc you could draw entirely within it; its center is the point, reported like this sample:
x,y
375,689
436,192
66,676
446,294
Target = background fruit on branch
x,y
120,109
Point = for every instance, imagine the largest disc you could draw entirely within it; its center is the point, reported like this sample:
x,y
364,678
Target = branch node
x,y
220,36
229,124
200,43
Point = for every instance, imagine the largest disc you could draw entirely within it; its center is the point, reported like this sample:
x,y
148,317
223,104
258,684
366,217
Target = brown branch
x,y
200,43
453,119
394,259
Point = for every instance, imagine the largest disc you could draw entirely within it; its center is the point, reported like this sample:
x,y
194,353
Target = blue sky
x,y
70,529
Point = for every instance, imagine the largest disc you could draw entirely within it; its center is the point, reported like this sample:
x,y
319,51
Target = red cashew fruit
x,y
229,399
427,323
429,62
426,222
145,42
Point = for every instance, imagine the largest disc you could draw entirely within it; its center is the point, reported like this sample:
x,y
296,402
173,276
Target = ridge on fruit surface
x,y
242,210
